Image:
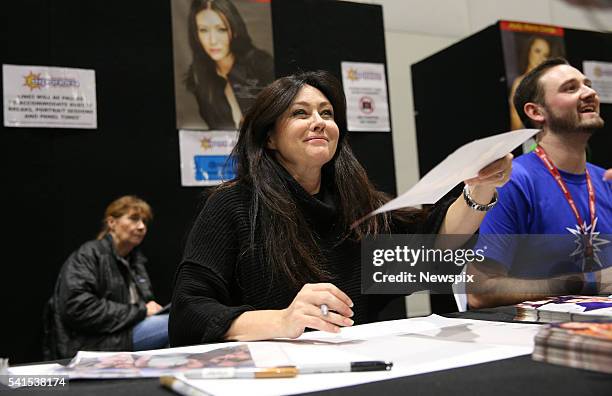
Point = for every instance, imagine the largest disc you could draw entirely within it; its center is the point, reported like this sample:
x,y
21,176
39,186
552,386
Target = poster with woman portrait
x,y
146,364
223,57
525,46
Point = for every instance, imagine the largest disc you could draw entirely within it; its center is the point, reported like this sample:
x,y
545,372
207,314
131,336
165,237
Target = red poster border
x,y
517,26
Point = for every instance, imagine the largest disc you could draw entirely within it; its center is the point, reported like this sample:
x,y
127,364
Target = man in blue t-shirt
x,y
552,191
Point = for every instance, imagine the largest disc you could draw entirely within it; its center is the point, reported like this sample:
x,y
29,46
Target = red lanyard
x,y
555,173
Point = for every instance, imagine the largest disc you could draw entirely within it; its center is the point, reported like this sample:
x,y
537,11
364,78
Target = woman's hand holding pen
x,y
319,306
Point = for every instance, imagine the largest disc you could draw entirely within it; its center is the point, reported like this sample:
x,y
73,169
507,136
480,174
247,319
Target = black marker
x,y
374,365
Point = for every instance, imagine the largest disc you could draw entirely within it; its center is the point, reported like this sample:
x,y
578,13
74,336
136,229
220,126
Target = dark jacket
x,y
250,74
90,308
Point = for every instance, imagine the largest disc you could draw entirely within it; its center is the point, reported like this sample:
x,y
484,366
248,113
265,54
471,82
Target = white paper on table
x,y
414,357
380,329
415,346
464,163
35,369
451,329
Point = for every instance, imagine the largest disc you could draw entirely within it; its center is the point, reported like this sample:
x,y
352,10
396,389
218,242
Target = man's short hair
x,y
530,89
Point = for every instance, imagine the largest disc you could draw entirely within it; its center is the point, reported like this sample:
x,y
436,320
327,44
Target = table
x,y
516,376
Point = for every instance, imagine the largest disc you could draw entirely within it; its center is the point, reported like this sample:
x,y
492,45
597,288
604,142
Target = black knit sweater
x,y
220,277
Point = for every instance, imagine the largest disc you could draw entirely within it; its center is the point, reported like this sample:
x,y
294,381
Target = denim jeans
x,y
151,333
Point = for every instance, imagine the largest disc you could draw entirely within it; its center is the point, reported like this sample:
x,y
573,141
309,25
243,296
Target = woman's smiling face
x,y
306,135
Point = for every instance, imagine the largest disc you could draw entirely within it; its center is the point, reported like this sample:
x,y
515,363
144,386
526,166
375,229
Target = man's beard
x,y
571,123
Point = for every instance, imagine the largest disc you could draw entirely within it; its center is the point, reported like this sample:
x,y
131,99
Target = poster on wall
x,y
600,74
365,87
223,57
205,159
525,46
49,97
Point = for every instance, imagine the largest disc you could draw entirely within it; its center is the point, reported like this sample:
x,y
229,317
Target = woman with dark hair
x,y
103,299
273,252
536,51
227,70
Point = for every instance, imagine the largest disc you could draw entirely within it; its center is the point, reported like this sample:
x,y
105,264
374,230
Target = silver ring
x,y
324,309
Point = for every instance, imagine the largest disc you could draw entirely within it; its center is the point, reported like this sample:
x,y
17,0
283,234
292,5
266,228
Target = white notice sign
x,y
49,97
365,87
600,74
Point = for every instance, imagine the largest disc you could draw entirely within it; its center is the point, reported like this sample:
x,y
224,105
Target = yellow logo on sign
x,y
32,81
206,143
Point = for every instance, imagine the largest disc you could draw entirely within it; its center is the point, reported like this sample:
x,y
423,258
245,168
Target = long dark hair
x,y
289,243
523,58
203,68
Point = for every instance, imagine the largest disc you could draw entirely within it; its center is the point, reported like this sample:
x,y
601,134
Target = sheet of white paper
x,y
35,369
464,163
415,346
380,329
418,357
466,330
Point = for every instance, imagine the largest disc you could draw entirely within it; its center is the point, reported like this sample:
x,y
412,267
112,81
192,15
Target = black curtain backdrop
x,y
318,34
57,182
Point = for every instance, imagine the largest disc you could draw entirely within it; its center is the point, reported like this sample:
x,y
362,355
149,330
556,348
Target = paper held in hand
x,y
464,163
